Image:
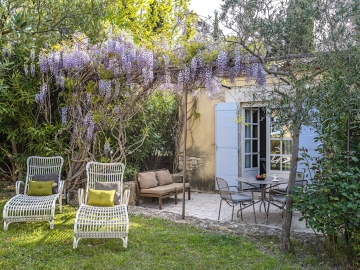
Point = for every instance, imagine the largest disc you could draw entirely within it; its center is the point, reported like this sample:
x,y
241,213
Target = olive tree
x,y
294,41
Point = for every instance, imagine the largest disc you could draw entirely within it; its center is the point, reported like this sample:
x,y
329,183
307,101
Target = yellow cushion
x,y
101,197
40,188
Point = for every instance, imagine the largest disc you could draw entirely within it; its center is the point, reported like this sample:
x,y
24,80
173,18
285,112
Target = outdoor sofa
x,y
158,184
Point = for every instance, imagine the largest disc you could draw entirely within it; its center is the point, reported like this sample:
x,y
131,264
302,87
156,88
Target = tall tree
x,y
148,20
279,35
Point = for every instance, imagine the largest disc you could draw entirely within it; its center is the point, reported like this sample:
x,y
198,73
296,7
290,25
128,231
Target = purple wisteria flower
x,y
32,69
90,130
117,89
181,79
261,76
63,115
105,88
106,148
193,67
222,62
237,59
40,98
32,55
88,99
43,63
26,69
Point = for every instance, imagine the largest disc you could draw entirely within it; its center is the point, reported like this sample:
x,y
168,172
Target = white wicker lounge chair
x,y
23,208
102,221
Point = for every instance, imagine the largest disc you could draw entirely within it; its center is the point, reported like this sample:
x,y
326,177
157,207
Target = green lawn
x,y
153,244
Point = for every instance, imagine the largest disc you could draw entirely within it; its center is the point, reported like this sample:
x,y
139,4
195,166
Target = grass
x,y
153,244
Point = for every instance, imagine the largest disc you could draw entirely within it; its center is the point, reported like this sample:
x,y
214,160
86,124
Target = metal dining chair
x,y
233,198
277,195
281,190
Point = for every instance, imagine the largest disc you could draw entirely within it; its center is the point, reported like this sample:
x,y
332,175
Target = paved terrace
x,y
202,211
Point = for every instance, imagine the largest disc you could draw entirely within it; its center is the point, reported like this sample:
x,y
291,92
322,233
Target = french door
x,y
251,142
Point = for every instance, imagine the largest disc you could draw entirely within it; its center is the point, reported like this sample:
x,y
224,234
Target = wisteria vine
x,y
103,85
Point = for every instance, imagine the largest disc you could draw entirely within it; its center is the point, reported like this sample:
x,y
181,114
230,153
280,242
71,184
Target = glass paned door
x,y
251,142
280,149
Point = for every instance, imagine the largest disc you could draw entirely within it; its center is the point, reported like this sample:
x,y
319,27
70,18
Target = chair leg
x,y
219,209
254,213
52,224
60,203
75,243
175,197
232,214
267,213
6,225
241,212
160,203
125,241
189,195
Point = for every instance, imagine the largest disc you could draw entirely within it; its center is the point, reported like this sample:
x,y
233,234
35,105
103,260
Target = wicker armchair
x,y
102,221
22,207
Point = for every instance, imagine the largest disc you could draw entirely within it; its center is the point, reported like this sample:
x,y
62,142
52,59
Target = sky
x,y
205,7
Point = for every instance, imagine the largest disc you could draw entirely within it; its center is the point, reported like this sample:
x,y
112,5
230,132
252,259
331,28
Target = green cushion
x,y
40,188
110,186
101,197
48,177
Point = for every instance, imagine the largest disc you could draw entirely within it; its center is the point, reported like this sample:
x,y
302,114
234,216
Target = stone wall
x,y
232,227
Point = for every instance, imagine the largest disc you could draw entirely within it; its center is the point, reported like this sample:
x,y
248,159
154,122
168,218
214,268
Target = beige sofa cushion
x,y
147,180
179,186
163,177
159,190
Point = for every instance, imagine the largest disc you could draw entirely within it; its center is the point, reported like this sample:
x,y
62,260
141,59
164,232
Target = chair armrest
x,y
277,192
17,186
126,197
61,187
237,189
81,196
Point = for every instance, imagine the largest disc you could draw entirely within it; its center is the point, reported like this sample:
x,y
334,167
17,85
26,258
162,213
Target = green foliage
x,y
299,31
156,125
149,20
331,203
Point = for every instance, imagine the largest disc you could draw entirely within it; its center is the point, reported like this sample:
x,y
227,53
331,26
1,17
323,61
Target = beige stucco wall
x,y
200,161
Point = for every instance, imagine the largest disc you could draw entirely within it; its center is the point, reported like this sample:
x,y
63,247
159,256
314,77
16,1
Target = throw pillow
x,y
48,177
40,188
164,177
100,197
147,180
110,186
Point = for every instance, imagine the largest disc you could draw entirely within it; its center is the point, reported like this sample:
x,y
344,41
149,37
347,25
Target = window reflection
x,y
286,147
247,161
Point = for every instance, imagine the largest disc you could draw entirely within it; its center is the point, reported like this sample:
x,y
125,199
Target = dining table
x,y
264,183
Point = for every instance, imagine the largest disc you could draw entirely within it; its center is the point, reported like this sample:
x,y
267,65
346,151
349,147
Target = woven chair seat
x,y
101,222
23,208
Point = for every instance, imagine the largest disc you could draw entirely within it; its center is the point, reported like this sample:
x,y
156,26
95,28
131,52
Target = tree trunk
x,y
285,235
